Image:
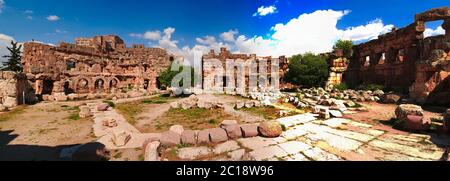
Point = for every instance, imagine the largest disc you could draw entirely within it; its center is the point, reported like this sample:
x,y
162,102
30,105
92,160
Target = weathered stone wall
x,y
101,64
226,80
15,89
403,59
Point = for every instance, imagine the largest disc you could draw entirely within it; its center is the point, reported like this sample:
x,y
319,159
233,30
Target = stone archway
x,y
113,84
100,84
82,85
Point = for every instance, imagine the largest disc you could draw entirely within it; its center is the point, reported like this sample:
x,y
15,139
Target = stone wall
x,y
404,60
15,90
102,64
229,81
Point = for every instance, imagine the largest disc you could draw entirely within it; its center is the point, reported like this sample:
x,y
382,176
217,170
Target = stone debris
x,y
249,130
151,152
226,147
177,129
191,153
102,107
218,135
111,123
120,137
85,112
170,138
270,129
188,137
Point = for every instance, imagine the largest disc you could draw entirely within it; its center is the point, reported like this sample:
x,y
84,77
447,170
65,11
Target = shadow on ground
x,y
26,152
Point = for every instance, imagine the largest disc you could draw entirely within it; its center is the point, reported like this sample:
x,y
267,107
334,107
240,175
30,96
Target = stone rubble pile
x,y
412,117
194,102
228,130
267,96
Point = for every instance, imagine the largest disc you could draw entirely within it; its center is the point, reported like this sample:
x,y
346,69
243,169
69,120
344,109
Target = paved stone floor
x,y
309,139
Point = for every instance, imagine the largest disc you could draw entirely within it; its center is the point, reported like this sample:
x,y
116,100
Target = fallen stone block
x,y
336,114
203,137
85,112
170,138
120,137
177,129
218,135
404,110
102,107
249,130
188,137
111,123
417,123
270,129
151,152
233,131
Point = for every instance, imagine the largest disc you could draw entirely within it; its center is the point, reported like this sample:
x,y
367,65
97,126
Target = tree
x,y
14,58
307,70
346,46
166,77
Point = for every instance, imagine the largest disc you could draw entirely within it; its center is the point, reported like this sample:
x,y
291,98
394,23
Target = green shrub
x,y
341,86
308,70
345,45
110,103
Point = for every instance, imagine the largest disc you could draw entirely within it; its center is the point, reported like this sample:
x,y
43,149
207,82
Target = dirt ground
x,y
380,114
38,132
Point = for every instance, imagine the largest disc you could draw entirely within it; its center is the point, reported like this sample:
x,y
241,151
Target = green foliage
x,y
371,87
166,77
14,58
110,103
308,70
345,45
341,86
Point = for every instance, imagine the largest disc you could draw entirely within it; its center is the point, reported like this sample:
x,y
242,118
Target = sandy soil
x,y
41,130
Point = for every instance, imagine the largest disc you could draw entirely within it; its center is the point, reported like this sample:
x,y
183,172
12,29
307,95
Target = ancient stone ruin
x,y
98,65
14,90
237,81
404,60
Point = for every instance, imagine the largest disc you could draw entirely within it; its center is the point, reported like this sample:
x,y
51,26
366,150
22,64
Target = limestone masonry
x,y
98,65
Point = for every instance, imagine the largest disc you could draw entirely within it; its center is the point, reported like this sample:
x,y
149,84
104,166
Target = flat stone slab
x,y
406,150
294,147
266,153
318,154
296,157
338,142
237,155
295,120
293,134
336,122
226,147
256,142
191,153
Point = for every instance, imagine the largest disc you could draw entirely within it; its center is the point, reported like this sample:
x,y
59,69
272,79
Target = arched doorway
x,y
99,85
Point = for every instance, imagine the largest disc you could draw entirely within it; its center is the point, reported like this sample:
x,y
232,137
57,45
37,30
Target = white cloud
x,y
149,35
30,17
263,11
310,32
2,4
53,18
229,35
367,32
60,31
430,32
5,41
28,12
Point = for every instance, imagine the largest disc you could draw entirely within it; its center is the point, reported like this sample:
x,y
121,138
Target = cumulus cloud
x,y
53,18
5,41
229,35
263,11
2,4
433,32
149,35
310,32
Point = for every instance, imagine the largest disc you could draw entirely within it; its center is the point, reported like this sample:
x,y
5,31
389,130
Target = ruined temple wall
x,y
15,90
72,68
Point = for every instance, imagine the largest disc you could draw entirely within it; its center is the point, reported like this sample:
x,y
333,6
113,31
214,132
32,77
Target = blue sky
x,y
24,20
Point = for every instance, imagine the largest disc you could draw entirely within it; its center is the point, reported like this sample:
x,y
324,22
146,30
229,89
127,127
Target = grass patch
x,y
158,100
74,112
12,113
130,111
193,119
267,112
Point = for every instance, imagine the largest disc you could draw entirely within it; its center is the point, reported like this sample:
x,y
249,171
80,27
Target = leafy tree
x,y
14,58
345,45
308,70
166,77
